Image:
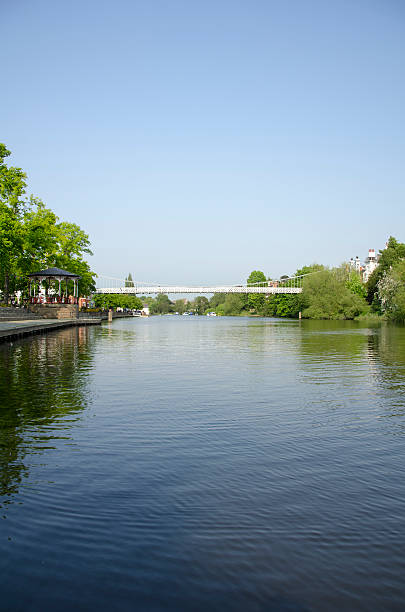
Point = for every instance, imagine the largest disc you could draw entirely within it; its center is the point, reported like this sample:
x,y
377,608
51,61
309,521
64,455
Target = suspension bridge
x,y
109,285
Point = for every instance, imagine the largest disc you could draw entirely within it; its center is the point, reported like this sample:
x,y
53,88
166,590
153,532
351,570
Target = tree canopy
x,y
255,301
128,281
326,296
393,253
391,292
32,237
115,300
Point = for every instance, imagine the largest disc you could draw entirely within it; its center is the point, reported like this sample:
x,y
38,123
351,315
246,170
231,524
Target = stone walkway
x,y
16,329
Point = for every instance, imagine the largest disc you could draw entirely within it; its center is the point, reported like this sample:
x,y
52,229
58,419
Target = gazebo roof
x,y
54,272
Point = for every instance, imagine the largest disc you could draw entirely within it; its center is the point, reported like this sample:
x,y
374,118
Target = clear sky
x,y
197,141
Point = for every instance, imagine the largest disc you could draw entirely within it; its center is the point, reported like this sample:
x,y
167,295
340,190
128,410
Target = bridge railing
x,y
286,284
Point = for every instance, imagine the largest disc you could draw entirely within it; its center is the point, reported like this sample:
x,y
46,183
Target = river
x,y
196,463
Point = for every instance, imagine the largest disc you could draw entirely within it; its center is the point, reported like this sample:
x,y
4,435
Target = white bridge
x,y
108,285
140,290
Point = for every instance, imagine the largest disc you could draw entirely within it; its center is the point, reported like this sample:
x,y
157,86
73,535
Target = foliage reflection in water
x,y
42,391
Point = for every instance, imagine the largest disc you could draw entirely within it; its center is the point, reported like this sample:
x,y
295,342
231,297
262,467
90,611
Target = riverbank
x,y
11,330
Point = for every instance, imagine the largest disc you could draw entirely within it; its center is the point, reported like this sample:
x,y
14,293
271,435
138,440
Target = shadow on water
x,y
43,384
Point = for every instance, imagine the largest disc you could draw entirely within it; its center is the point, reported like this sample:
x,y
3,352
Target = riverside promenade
x,y
11,330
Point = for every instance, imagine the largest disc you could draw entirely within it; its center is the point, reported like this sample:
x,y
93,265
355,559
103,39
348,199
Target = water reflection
x,y
232,464
386,358
355,367
43,389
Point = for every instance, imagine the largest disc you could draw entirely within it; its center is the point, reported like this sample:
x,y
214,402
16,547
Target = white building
x,y
370,264
355,264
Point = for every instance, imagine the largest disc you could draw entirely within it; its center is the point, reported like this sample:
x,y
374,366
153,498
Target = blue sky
x,y
197,141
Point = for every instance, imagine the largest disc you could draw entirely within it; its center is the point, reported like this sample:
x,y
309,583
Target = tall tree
x,y
31,236
256,300
234,304
179,306
326,296
128,281
161,305
12,206
394,252
73,243
391,292
201,304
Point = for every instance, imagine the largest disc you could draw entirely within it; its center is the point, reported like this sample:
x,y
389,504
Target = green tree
x,y
128,281
115,300
161,305
256,300
234,304
326,296
309,269
147,299
12,207
201,304
216,300
281,305
73,243
355,284
32,238
394,252
391,292
179,306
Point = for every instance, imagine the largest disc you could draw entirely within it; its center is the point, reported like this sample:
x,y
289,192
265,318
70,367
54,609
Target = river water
x,y
196,463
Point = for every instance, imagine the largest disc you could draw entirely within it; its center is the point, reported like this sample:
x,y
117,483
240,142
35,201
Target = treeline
x,y
106,301
328,293
339,293
33,238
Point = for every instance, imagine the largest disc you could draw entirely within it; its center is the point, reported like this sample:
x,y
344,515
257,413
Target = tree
x,y
281,305
128,281
216,300
12,206
391,292
201,304
161,305
355,284
234,304
326,296
309,269
179,306
31,236
115,300
256,300
394,252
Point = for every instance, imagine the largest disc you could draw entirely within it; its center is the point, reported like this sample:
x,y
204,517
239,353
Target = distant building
x,y
355,264
370,264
